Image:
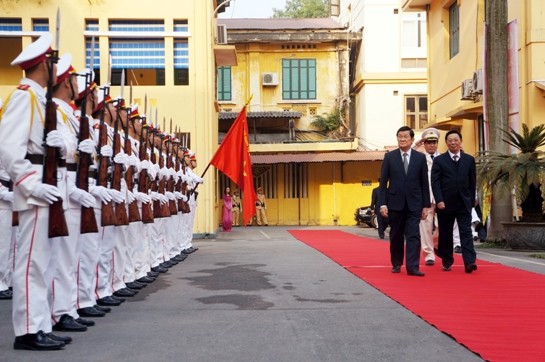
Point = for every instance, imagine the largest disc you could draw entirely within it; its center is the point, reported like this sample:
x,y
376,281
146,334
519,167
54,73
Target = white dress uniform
x,y
21,132
7,238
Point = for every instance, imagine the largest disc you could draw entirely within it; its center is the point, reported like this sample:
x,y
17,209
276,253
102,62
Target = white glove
x,y
130,197
171,172
144,165
155,196
6,195
117,196
142,197
82,197
87,146
178,194
106,151
54,139
197,179
101,193
121,158
163,172
163,199
170,195
133,160
47,193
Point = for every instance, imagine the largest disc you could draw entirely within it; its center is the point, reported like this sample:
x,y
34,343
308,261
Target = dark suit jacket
x,y
396,188
455,185
375,205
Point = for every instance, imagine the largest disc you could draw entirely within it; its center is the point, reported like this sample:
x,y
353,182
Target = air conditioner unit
x,y
478,81
467,90
221,31
270,79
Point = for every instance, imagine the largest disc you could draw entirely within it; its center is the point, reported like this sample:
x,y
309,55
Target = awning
x,y
468,111
226,55
318,157
541,85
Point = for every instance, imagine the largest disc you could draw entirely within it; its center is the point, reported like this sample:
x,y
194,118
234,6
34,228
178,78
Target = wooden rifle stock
x,y
88,219
154,183
165,208
185,204
134,214
173,208
14,214
107,217
143,178
121,216
57,222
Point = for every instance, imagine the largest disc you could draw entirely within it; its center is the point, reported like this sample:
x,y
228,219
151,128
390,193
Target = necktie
x,y
432,156
405,162
455,158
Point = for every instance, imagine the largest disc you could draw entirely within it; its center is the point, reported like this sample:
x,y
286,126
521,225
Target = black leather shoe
x,y
178,258
430,262
6,294
166,264
159,269
124,292
108,302
469,268
119,299
145,280
182,256
458,249
415,273
68,324
187,251
85,322
90,312
396,269
37,342
134,285
447,267
153,274
64,339
101,308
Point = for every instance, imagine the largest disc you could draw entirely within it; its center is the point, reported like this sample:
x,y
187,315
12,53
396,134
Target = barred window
x,y
11,24
40,24
295,181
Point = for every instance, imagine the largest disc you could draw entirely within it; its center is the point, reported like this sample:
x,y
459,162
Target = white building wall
x,y
380,102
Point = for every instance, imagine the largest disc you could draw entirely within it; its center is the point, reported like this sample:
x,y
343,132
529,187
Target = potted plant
x,y
521,172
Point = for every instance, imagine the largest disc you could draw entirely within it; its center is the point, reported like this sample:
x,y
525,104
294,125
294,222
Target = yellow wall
x,y
190,107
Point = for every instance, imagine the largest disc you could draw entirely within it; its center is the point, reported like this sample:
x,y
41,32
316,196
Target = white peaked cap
x,y
34,53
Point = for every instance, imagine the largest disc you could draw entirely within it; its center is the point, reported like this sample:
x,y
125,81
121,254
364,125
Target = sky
x,y
252,8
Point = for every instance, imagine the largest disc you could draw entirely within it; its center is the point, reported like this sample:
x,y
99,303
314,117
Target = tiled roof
x,y
281,24
318,157
267,114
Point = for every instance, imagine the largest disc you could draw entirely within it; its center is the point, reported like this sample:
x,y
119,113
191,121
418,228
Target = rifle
x,y
183,206
170,181
134,214
88,222
143,178
121,216
57,223
165,209
154,183
107,215
14,214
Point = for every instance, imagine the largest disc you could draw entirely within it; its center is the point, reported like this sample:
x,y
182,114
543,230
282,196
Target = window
x,y
181,53
295,181
11,47
298,79
92,25
413,40
40,24
454,29
143,59
11,24
224,84
416,111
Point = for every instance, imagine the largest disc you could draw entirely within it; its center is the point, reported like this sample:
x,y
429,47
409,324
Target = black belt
x,y
39,160
73,167
6,183
92,173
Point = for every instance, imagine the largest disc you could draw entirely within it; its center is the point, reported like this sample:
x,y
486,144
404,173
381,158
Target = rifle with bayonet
x,y
107,215
88,222
165,208
120,210
154,183
134,213
143,177
57,222
170,179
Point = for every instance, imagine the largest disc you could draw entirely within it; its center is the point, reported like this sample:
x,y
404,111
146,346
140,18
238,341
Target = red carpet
x,y
497,312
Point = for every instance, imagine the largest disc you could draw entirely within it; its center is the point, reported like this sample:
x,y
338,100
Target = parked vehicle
x,y
365,215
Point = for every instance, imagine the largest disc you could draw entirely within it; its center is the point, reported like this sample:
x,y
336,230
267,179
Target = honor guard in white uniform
x,y
22,134
7,238
194,180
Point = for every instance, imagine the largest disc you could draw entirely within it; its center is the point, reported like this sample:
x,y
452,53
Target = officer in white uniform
x,y
22,132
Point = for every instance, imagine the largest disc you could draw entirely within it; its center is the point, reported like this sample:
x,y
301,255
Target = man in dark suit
x,y
404,199
382,223
453,179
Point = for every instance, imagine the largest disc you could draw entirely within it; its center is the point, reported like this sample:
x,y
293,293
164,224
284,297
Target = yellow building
x,y
294,70
455,43
165,49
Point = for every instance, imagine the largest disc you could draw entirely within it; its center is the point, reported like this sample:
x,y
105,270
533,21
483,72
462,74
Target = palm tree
x,y
522,172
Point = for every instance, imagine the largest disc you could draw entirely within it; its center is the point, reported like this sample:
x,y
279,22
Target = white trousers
x,y
119,257
7,245
31,312
88,253
104,279
426,236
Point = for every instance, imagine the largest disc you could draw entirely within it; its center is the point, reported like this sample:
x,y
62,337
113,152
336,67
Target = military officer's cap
x,y
82,82
64,67
35,53
431,134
